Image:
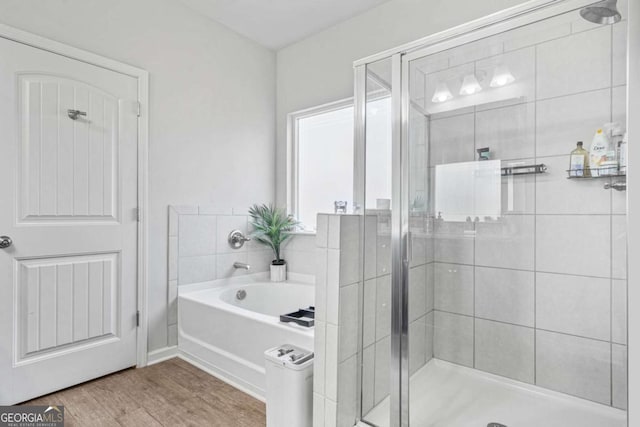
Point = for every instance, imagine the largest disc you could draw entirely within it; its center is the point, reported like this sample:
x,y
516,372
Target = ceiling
x,y
277,23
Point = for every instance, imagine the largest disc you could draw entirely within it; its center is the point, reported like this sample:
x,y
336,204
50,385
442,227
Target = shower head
x,y
604,12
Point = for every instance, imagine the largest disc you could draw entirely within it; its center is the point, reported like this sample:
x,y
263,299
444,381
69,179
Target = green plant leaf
x,y
271,226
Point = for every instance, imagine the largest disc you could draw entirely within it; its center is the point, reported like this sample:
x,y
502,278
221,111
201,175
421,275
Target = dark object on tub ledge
x,y
303,317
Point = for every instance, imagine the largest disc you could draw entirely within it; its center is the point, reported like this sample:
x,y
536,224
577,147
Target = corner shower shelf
x,y
606,172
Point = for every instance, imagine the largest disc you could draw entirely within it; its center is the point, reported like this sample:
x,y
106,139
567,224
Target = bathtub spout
x,y
241,265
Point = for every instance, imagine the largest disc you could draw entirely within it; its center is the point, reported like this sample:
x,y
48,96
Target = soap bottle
x,y
598,153
579,161
622,157
617,135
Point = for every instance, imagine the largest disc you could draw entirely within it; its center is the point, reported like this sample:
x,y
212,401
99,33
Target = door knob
x,y
5,242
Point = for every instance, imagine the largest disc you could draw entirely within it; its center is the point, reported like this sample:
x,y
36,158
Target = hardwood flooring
x,y
170,393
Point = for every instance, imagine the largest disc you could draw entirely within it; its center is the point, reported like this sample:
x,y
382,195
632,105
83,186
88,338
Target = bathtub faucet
x,y
241,265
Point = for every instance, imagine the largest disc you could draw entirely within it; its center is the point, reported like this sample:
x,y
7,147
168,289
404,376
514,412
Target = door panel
x,y
69,167
65,301
69,203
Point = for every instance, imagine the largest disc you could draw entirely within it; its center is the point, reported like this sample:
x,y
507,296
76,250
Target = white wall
x,y
212,102
319,69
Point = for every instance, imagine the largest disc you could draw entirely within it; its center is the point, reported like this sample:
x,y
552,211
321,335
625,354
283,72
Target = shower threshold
x,y
448,395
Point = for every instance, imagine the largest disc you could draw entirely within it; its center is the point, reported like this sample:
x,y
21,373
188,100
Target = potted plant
x,y
272,227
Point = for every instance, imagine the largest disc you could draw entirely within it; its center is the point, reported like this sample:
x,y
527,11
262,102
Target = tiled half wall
x,y
199,252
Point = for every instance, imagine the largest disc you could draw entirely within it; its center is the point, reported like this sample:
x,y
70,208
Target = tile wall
x,y
199,251
377,304
339,287
338,284
539,293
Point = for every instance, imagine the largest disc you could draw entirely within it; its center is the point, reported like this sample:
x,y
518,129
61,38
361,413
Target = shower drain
x,y
496,425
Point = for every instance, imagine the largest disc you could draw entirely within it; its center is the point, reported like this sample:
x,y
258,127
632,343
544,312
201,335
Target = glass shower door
x,y
377,201
509,306
411,332
522,291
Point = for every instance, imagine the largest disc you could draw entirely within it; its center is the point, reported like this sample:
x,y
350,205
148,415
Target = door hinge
x,y
139,108
137,318
138,214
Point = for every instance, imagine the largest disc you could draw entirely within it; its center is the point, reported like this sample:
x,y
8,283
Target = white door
x,y
68,198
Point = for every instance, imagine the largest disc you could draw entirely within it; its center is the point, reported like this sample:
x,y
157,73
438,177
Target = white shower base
x,y
448,395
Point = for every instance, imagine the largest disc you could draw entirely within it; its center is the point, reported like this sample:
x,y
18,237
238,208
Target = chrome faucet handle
x,y
237,239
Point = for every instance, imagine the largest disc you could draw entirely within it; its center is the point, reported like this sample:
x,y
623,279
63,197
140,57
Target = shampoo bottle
x,y
598,152
579,161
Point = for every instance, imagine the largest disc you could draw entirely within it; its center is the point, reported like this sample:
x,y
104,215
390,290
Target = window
x,y
321,158
322,161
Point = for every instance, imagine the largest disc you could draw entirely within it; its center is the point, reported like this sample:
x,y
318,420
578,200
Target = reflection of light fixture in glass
x,y
442,93
501,76
470,85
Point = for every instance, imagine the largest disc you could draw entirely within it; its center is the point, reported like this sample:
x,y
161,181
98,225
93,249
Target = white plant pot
x,y
278,273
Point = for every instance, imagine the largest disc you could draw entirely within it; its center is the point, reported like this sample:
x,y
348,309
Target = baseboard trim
x,y
221,375
161,355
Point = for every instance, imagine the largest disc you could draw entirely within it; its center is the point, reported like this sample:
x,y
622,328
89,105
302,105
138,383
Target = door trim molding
x,y
39,42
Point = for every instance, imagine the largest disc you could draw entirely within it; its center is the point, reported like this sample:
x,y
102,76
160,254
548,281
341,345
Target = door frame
x,y
142,285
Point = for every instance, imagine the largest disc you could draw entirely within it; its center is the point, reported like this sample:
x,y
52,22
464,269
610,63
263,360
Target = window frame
x,y
293,140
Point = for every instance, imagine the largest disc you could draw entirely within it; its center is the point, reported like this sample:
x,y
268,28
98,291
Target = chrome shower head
x,y
604,12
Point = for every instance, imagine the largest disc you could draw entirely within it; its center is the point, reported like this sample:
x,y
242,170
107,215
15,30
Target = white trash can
x,y
289,388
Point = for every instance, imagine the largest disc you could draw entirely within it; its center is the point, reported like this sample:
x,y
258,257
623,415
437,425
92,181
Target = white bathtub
x,y
228,337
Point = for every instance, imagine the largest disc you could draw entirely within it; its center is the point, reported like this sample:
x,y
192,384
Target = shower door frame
x,y
505,20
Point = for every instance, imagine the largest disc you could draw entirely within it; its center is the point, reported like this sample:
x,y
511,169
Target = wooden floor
x,y
170,393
